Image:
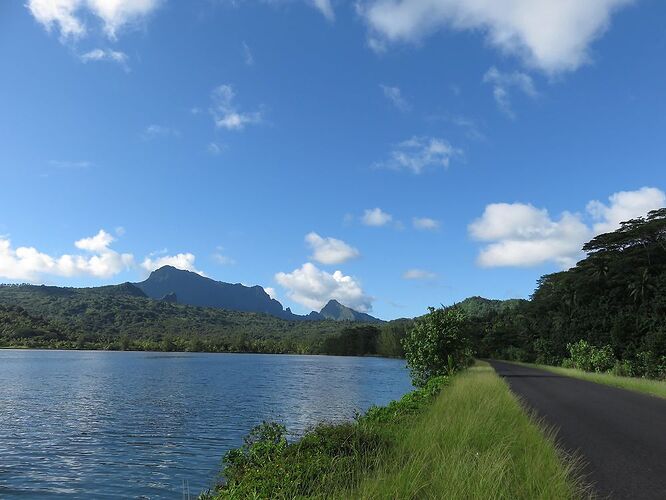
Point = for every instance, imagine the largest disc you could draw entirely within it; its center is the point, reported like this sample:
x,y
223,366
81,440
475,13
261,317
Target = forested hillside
x,y
122,317
615,297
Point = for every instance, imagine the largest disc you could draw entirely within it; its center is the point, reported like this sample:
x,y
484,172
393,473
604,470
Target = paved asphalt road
x,y
620,434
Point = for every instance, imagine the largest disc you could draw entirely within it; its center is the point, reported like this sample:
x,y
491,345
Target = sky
x,y
390,154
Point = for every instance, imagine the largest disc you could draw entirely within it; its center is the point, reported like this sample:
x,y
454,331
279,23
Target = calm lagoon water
x,y
90,424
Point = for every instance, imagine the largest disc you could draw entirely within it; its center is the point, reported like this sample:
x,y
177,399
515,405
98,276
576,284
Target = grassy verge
x,y
471,440
475,441
644,385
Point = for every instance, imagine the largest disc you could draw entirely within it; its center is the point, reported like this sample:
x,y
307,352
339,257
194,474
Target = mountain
x,y
184,287
195,290
338,312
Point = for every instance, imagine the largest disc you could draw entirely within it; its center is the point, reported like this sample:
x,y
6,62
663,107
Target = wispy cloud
x,y
71,164
155,131
418,274
248,57
419,154
225,112
503,83
394,95
425,223
106,55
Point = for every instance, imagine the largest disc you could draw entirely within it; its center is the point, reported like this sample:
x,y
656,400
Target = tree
x,y
437,345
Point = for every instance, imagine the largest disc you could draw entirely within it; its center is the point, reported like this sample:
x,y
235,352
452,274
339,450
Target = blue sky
x,y
392,154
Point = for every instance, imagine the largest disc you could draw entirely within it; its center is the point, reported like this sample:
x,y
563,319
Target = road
x,y
620,434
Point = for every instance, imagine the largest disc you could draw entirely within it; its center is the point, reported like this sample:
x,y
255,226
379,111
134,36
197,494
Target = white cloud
x,y
521,235
98,243
225,113
313,288
69,16
419,154
394,95
215,148
223,259
184,261
376,217
624,206
155,131
503,83
325,7
418,274
73,164
28,263
271,292
551,35
425,223
248,57
106,55
330,250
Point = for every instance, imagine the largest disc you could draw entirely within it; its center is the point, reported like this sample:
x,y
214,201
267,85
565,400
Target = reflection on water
x,y
83,424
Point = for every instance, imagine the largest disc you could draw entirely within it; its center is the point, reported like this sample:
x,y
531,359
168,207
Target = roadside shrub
x,y
438,344
589,358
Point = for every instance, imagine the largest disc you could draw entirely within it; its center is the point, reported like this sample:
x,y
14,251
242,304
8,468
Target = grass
x,y
644,385
475,441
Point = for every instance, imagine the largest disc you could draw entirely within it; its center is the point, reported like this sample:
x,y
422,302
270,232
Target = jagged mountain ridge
x,y
186,287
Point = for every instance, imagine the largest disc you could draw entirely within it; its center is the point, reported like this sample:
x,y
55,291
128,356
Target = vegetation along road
x,y
620,435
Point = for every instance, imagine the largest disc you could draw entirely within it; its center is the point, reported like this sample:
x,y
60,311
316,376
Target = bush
x,y
437,345
589,358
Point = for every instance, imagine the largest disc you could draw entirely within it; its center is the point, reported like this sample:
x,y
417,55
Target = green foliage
x,y
121,318
615,298
326,461
589,358
437,345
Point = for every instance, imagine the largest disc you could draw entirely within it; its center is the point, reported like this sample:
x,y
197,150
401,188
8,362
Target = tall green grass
x,y
644,385
476,441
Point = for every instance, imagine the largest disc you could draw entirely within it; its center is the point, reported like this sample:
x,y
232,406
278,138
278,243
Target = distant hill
x,y
477,307
338,312
185,287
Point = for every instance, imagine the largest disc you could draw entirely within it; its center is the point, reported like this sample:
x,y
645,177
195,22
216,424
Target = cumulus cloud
x,y
419,154
226,114
376,217
330,250
521,235
503,83
69,16
394,95
623,206
313,288
418,274
551,35
425,223
271,292
99,260
184,261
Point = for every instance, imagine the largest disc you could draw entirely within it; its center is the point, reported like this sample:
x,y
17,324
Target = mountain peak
x,y
339,312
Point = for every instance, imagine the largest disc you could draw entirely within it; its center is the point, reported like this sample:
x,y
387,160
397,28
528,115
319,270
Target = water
x,y
90,424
